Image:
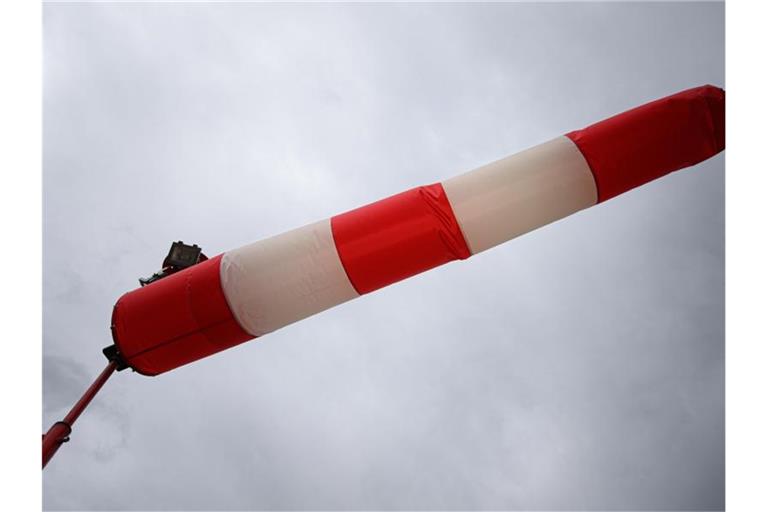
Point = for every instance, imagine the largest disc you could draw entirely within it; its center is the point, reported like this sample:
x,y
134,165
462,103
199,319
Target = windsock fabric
x,y
647,142
256,289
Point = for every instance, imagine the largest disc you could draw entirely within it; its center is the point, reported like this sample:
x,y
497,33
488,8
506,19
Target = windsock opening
x,y
176,320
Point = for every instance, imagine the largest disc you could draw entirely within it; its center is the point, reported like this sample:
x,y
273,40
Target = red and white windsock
x,y
251,291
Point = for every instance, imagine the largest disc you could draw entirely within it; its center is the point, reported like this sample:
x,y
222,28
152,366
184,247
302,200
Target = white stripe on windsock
x,y
507,198
280,280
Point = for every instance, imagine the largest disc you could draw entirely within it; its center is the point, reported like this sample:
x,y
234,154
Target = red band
x,y
176,320
398,237
645,143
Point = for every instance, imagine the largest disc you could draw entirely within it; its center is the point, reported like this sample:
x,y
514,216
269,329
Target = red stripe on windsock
x,y
650,141
398,237
176,320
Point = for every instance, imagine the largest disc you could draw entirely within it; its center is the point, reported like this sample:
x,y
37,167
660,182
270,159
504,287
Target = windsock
x,y
251,291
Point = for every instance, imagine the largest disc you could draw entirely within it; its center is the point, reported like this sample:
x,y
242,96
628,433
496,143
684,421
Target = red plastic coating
x,y
59,431
398,237
176,320
650,141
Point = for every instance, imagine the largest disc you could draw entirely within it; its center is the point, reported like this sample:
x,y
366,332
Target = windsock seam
x,y
397,237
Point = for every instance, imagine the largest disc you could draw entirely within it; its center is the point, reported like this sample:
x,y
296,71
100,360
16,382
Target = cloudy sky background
x,y
579,366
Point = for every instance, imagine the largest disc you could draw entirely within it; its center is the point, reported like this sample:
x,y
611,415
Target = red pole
x,y
59,432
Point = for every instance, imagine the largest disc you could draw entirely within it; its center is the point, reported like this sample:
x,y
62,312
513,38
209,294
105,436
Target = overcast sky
x,y
577,367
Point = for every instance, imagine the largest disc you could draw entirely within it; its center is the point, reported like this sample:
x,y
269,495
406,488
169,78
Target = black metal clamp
x,y
113,354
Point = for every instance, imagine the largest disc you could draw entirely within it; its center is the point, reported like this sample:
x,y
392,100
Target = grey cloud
x,y
578,367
